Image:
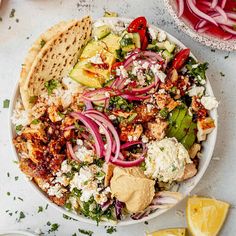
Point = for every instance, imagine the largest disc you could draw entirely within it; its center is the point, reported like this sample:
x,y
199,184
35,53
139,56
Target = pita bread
x,y
63,44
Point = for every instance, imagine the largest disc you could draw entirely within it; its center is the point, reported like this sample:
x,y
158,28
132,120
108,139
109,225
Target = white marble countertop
x,y
15,38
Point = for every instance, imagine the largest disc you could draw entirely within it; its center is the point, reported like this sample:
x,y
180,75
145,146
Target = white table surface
x,y
37,15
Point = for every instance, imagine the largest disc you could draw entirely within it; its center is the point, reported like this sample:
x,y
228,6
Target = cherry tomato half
x,y
137,24
114,66
181,58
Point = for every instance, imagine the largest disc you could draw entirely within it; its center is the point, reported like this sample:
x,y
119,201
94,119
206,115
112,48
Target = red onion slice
x,y
228,29
181,8
223,4
199,13
214,3
221,12
92,127
71,151
135,98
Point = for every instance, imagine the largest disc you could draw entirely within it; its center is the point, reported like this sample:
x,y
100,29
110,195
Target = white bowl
x,y
185,188
205,39
16,233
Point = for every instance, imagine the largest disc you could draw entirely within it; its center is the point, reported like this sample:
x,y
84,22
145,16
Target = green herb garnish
x,y
111,230
54,227
35,121
164,113
86,232
42,43
6,103
40,209
21,216
51,85
19,128
12,13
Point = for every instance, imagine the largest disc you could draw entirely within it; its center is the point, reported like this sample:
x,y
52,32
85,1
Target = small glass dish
x,y
198,34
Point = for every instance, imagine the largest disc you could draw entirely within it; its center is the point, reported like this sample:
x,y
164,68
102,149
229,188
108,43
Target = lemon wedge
x,y
205,216
168,232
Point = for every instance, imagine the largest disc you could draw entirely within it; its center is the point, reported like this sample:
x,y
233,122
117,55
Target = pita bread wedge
x,y
63,44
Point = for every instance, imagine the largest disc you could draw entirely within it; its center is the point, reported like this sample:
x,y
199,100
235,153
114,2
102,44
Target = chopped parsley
x,y
54,227
33,99
6,103
66,217
12,13
16,178
120,103
42,43
21,216
19,128
51,85
8,174
35,121
40,209
111,230
61,114
86,232
222,74
8,193
145,222
21,199
162,149
46,207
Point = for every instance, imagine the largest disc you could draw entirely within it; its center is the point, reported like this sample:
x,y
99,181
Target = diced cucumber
x,y
151,46
169,46
160,45
128,48
101,31
126,41
190,138
136,40
167,55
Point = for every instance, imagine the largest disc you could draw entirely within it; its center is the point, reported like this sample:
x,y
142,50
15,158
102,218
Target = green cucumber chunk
x,y
102,31
169,46
136,40
167,55
190,138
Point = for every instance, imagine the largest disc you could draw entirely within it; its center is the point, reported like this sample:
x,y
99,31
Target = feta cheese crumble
x,y
209,103
196,91
166,160
96,59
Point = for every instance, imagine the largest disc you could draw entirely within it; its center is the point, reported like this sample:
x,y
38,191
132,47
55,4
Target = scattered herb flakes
x,y
16,162
21,216
14,198
21,199
8,174
9,27
12,13
35,121
27,37
111,230
40,209
16,178
145,222
8,193
46,207
222,74
17,20
213,50
227,56
86,232
66,217
74,234
42,43
54,227
0,18
19,128
48,223
6,103
51,85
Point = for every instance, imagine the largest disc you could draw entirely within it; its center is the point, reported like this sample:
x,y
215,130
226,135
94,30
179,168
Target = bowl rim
x,y
19,232
197,178
203,39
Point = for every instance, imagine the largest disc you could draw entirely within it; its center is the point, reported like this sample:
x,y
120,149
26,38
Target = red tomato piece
x,y
181,58
137,24
114,66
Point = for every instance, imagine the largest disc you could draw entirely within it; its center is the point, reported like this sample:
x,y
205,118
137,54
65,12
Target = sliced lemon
x,y
169,232
205,216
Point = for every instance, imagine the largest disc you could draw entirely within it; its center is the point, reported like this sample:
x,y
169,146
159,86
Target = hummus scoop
x,y
131,186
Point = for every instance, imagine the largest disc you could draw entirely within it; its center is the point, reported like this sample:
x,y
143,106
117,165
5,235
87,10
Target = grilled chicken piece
x,y
193,151
59,201
156,130
34,132
120,113
144,114
130,132
109,172
165,100
28,167
20,144
54,114
35,152
189,171
205,126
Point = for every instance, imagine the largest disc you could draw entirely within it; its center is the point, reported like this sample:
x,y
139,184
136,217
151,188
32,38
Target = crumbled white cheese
x,y
161,36
196,91
152,33
145,65
65,167
166,160
84,154
156,71
79,142
112,117
145,139
107,94
209,102
149,107
96,59
123,72
56,190
201,80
